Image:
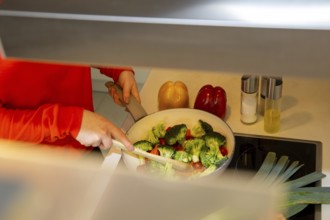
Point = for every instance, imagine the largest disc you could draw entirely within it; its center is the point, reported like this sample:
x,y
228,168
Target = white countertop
x,y
305,107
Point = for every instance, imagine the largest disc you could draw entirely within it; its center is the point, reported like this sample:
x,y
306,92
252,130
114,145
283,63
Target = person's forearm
x,y
47,123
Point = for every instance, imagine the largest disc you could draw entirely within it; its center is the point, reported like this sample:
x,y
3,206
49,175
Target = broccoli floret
x,y
176,134
194,147
201,128
166,151
155,133
211,158
182,156
143,145
151,137
154,166
214,140
208,158
159,169
211,154
159,130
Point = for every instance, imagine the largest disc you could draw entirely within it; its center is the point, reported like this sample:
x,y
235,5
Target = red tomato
x,y
188,135
178,147
224,151
162,141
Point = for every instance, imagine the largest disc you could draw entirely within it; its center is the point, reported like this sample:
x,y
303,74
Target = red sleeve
x,y
114,72
47,123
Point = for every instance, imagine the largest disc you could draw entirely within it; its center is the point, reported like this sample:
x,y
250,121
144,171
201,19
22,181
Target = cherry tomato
x,y
162,141
188,135
224,151
178,147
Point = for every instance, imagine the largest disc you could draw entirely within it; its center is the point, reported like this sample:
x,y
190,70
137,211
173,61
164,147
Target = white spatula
x,y
175,164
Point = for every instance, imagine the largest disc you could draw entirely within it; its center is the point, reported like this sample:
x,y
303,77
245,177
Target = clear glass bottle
x,y
263,92
273,101
249,98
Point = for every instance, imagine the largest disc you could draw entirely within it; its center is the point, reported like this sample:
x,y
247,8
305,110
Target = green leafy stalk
x,y
297,197
293,210
305,180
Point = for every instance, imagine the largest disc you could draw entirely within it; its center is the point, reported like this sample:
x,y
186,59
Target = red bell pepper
x,y
212,99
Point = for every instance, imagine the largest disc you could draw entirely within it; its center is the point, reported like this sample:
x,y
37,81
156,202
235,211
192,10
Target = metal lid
x,y
274,88
263,90
250,83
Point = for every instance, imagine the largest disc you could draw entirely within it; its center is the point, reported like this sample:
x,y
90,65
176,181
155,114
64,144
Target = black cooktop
x,y
250,152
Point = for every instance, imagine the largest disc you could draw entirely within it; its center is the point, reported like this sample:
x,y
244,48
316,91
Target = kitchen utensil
x,y
134,107
112,158
170,117
175,164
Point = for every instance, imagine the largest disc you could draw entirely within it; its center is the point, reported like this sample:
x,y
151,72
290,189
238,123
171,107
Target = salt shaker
x,y
249,98
272,117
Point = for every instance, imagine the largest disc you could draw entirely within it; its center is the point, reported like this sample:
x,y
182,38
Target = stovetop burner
x,y
250,152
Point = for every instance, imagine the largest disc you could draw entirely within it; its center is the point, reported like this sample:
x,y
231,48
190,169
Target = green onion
x,y
297,197
294,209
305,180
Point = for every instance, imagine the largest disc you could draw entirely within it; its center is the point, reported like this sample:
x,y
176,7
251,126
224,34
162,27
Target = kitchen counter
x,y
305,107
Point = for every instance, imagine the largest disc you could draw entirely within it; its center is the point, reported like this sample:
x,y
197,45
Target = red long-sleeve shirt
x,y
43,102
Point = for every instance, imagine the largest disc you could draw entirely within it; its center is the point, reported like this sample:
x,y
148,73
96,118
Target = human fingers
x,y
135,93
106,142
115,96
120,136
126,92
130,89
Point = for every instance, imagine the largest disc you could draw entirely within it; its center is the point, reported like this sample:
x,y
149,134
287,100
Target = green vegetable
x,y
166,151
143,145
151,137
159,130
210,154
275,171
297,197
214,140
194,147
177,134
158,169
309,195
212,158
201,128
304,180
156,132
182,156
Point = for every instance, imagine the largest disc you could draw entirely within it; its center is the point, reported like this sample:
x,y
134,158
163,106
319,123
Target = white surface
x,y
305,107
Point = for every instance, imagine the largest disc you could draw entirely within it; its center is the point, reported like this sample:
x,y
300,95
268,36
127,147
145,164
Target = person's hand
x,y
98,131
127,82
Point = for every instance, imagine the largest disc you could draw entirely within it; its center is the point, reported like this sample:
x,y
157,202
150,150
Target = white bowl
x,y
172,117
